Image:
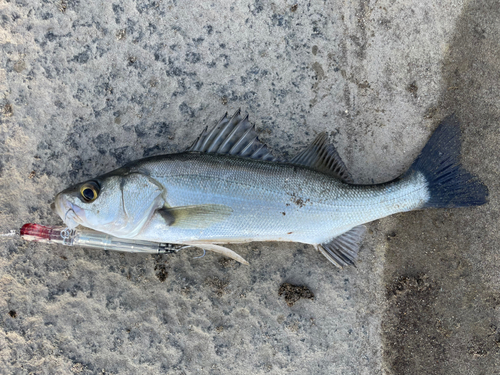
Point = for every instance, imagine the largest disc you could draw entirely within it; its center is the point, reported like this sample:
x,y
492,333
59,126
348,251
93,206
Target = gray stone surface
x,y
443,290
86,86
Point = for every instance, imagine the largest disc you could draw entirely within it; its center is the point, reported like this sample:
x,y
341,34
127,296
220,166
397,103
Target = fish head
x,y
118,203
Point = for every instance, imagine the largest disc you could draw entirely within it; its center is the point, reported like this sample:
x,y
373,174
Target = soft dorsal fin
x,y
343,250
322,156
233,136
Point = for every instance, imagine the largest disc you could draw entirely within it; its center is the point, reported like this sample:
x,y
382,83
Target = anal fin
x,y
343,250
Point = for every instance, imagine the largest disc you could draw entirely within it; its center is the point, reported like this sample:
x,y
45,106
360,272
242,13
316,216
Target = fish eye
x,y
89,191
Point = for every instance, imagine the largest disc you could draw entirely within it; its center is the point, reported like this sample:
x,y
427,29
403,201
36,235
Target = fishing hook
x,y
187,246
66,214
204,252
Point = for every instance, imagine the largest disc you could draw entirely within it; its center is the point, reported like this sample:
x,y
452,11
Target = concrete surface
x,y
86,86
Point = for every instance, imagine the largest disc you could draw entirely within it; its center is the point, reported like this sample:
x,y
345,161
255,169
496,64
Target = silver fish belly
x,y
229,188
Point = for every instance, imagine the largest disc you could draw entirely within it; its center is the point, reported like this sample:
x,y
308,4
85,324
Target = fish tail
x,y
448,183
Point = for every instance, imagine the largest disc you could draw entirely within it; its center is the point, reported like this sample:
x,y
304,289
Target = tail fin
x,y
449,184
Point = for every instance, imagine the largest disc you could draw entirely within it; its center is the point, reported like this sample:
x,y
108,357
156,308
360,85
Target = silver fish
x,y
229,188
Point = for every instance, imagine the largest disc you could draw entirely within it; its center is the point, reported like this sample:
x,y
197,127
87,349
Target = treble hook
x,y
67,212
185,247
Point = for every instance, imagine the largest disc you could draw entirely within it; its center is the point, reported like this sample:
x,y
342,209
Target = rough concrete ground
x,y
443,290
88,86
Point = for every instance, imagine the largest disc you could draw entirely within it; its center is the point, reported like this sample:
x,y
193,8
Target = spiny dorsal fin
x,y
343,250
322,156
233,136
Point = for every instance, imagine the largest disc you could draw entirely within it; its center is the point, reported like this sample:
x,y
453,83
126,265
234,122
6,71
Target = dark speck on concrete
x,y
119,154
193,57
161,268
226,59
257,7
318,70
412,88
293,293
198,41
150,151
186,110
7,110
218,285
103,142
209,29
278,20
82,57
117,9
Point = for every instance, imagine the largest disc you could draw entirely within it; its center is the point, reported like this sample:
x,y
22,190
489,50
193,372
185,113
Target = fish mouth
x,y
70,213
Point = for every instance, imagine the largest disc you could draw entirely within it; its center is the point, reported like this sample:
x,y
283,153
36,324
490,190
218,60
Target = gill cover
x,y
118,204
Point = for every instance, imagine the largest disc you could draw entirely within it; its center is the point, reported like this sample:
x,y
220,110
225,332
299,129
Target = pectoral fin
x,y
221,250
195,217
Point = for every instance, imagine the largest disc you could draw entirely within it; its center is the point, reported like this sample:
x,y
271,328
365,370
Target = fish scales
x,y
229,188
272,201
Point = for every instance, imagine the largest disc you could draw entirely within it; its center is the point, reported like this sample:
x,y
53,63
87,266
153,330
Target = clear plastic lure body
x,y
92,239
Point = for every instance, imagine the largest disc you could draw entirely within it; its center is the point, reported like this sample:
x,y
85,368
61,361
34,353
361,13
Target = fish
x,y
228,187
